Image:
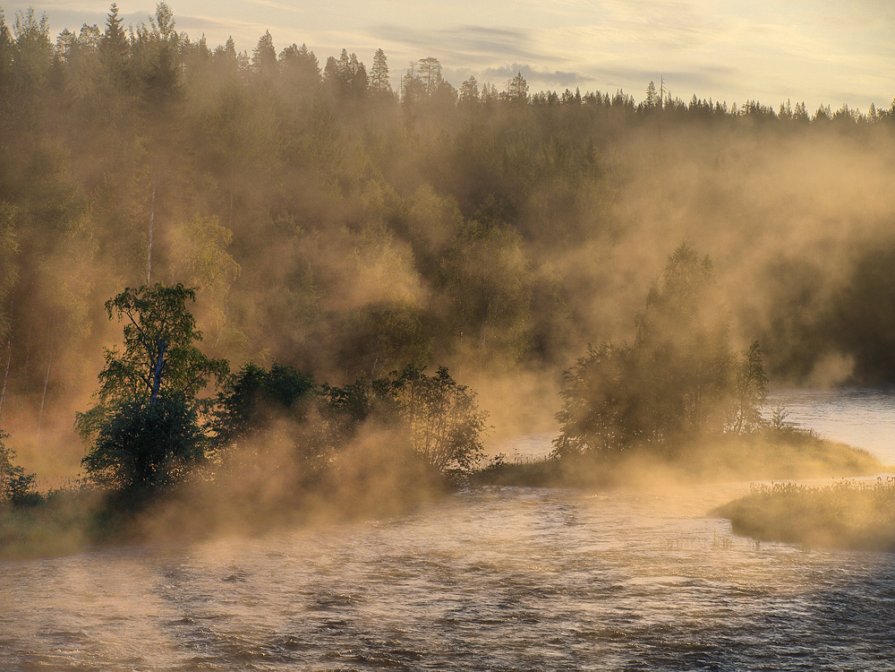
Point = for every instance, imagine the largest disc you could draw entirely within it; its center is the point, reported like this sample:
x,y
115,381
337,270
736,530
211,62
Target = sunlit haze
x,y
820,52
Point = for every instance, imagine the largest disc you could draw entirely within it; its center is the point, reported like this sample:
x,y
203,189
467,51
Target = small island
x,y
678,404
857,515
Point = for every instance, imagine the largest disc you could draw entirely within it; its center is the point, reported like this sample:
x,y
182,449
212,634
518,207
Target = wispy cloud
x,y
465,45
536,76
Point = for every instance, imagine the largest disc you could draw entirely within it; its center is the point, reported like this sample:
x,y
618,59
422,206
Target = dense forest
x,y
336,224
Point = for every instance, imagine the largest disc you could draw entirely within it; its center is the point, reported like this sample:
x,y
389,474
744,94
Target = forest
x,y
344,226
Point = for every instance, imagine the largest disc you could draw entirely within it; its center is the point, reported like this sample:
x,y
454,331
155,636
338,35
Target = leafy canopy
x,y
145,430
159,353
146,445
253,395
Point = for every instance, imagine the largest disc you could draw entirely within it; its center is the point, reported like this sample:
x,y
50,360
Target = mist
x,y
350,232
302,369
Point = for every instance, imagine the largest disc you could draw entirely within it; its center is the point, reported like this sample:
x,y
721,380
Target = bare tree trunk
x,y
43,400
5,374
151,227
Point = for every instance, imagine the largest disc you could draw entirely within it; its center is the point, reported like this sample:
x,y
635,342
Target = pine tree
x,y
264,58
517,89
114,48
379,82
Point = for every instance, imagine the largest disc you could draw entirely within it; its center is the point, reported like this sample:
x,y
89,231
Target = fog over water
x,y
495,578
628,268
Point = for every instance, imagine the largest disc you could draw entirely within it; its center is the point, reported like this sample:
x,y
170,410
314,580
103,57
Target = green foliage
x,y
16,486
602,412
252,396
439,419
355,402
160,355
443,419
679,380
146,445
144,432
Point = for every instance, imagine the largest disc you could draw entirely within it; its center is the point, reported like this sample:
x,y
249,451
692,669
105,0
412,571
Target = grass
x,y
771,454
849,514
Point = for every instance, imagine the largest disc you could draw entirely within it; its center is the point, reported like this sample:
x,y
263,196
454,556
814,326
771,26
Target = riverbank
x,y
786,454
252,499
850,514
246,500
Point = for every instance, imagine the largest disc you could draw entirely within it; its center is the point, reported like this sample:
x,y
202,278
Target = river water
x,y
863,418
491,579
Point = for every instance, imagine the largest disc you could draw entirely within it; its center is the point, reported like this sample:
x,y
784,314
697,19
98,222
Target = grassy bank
x,y
789,454
854,515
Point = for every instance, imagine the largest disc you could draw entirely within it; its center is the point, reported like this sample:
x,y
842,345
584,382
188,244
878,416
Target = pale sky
x,y
816,51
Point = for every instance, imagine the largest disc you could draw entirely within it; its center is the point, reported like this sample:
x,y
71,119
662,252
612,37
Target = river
x,y
491,579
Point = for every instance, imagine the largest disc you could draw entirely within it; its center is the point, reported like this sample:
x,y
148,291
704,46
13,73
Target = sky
x,y
821,52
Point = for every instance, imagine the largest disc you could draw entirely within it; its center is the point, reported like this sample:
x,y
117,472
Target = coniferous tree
x,y
32,51
114,48
469,91
517,89
379,81
300,69
264,58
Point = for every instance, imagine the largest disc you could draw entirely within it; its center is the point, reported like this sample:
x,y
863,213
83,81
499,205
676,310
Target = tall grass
x,y
847,514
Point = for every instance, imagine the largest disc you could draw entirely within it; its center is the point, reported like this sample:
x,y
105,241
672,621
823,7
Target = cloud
x,y
191,24
533,75
282,6
465,45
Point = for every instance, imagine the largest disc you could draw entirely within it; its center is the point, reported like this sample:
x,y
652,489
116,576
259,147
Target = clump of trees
x,y
154,424
680,380
253,396
438,418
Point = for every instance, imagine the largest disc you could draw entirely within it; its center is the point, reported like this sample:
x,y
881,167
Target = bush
x,y
252,396
443,419
439,418
16,486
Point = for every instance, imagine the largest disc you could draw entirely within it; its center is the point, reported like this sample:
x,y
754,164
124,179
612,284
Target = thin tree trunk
x,y
151,227
5,374
43,400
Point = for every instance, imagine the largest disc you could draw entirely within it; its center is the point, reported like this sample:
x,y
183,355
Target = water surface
x,y
862,418
491,579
